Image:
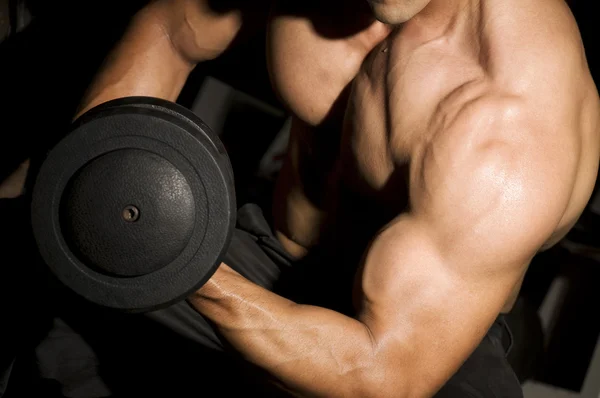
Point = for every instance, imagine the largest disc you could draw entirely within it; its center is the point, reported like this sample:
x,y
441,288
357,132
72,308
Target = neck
x,y
440,18
442,14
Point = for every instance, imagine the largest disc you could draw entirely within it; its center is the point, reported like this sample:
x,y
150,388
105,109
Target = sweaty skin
x,y
473,132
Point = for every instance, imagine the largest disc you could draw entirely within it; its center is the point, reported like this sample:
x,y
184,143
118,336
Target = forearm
x,y
144,63
309,350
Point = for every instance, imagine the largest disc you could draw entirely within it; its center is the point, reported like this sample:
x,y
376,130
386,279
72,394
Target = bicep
x,y
436,278
425,315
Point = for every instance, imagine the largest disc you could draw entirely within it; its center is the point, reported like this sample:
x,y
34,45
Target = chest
x,y
395,99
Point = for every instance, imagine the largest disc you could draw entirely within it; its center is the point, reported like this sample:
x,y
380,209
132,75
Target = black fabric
x,y
91,352
486,373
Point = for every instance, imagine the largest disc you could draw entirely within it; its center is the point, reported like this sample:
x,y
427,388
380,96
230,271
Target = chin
x,y
394,12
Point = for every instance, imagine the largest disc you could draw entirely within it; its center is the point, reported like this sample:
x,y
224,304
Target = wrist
x,y
218,287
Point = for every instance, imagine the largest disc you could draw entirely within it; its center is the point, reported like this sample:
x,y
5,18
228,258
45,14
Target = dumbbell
x,y
134,209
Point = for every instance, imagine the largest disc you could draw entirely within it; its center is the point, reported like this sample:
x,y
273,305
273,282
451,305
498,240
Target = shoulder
x,y
535,47
482,117
495,172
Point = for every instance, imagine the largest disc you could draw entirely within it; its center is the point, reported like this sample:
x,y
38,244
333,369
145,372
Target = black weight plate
x,y
135,208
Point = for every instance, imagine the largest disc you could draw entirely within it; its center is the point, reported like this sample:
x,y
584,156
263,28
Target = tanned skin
x,y
477,122
473,123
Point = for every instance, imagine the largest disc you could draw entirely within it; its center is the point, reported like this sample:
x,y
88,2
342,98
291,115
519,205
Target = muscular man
x,y
434,151
470,142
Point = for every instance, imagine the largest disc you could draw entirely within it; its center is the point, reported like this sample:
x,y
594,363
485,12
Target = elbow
x,y
381,390
382,381
377,373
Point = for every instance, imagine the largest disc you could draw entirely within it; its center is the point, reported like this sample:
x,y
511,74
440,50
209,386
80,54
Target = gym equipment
x,y
135,207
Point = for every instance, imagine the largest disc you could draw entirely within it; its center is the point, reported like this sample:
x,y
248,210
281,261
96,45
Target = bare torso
x,y
404,84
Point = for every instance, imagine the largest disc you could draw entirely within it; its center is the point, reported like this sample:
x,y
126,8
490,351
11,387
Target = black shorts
x,y
87,351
